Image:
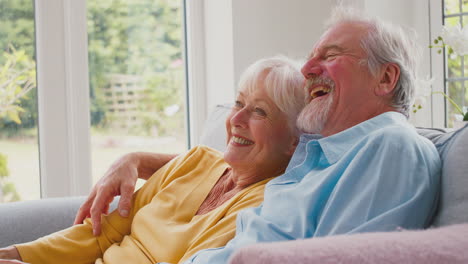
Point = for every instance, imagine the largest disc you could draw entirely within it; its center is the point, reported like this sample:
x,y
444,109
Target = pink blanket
x,y
438,245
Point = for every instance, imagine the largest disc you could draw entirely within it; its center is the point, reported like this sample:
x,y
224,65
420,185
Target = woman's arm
x,y
120,179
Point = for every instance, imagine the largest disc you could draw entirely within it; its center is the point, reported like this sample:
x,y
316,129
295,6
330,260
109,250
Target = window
x,y
135,49
63,166
19,154
455,12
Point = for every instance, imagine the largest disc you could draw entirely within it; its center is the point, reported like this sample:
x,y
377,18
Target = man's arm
x,y
393,182
120,179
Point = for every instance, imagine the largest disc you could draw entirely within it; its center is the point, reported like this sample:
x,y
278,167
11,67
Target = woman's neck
x,y
228,185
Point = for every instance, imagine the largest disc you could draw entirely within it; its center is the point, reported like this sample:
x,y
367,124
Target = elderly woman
x,y
191,203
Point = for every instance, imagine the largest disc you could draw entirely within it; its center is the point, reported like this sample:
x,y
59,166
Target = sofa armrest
x,y
438,245
26,221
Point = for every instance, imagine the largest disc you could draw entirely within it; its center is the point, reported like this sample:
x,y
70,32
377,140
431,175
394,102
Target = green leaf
x,y
439,38
436,41
3,166
465,117
451,101
13,115
439,51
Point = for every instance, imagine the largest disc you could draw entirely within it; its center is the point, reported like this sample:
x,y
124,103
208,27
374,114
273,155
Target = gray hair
x,y
387,43
283,83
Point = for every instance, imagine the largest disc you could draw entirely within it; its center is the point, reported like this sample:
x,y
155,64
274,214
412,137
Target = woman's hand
x,y
120,179
10,261
9,255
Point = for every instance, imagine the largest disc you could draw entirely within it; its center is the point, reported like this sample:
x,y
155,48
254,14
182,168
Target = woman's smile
x,y
237,140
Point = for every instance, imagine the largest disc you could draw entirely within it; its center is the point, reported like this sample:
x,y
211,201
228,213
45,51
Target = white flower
x,y
457,38
422,92
171,110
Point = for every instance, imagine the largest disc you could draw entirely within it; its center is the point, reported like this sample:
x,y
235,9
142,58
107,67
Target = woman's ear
x,y
389,77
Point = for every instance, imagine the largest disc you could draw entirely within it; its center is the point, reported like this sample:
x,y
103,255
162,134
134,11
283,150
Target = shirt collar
x,y
335,146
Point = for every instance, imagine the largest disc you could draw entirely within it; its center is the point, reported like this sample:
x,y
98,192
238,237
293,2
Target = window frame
x,y
63,97
438,103
447,80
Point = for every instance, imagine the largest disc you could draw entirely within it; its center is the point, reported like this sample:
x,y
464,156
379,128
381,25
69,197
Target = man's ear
x,y
292,147
389,77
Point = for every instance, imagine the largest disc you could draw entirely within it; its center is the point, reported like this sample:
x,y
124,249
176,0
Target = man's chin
x,y
313,117
309,124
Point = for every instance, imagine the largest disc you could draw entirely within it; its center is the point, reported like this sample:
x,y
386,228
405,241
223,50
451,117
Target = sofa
x,y
445,242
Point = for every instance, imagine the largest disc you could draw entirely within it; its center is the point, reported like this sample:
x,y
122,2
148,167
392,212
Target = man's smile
x,y
319,91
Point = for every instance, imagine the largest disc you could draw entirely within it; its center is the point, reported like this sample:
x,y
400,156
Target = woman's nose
x,y
239,119
311,69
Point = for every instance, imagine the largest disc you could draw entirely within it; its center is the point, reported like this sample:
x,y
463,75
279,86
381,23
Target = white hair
x,y
283,83
386,43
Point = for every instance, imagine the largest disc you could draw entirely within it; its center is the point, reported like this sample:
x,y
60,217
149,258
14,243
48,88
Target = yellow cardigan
x,y
162,226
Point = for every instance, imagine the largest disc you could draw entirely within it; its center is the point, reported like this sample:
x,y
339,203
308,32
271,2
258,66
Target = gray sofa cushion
x,y
26,221
214,129
453,150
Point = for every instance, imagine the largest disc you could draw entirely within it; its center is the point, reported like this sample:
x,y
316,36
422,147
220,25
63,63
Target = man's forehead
x,y
339,37
323,48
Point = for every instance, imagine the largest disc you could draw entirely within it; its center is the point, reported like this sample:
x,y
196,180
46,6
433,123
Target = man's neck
x,y
334,127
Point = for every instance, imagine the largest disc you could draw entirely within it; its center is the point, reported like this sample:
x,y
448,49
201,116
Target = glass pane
x,y
465,65
19,155
452,21
136,77
454,66
464,104
451,7
456,93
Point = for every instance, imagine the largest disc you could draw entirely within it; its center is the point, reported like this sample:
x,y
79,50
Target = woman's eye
x,y
238,104
260,111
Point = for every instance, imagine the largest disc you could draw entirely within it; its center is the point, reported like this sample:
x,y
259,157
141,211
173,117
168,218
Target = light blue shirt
x,y
376,176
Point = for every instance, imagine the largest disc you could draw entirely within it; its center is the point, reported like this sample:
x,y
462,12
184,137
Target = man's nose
x,y
311,69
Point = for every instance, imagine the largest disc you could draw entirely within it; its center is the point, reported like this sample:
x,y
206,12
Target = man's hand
x,y
120,179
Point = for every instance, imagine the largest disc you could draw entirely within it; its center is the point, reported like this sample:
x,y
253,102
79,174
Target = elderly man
x,y
361,166
370,171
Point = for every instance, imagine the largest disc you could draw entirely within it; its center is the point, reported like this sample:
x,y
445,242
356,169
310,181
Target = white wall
x,y
219,41
238,32
264,28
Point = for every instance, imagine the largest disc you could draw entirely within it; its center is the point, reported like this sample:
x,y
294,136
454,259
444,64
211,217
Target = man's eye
x,y
330,56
